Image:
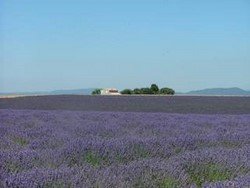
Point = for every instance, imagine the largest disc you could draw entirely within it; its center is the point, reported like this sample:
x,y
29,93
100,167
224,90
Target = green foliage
x,y
154,89
169,183
140,151
127,92
20,141
13,167
137,91
231,144
167,91
146,91
178,150
139,183
143,181
89,157
57,184
211,172
96,92
92,159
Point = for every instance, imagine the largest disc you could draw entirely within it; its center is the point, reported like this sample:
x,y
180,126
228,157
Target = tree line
x,y
152,90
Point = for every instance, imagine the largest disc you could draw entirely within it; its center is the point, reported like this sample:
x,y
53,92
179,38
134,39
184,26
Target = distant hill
x,y
87,91
73,91
220,91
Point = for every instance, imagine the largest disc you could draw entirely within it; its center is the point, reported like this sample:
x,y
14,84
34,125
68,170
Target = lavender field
x,y
169,104
123,149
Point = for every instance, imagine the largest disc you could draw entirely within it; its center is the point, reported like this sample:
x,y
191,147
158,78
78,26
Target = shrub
x,y
154,89
127,92
137,91
167,91
96,92
146,91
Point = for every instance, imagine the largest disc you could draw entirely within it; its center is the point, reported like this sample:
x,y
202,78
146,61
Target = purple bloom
x,y
123,149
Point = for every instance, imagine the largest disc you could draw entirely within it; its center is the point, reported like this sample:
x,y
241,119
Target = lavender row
x,y
115,149
169,104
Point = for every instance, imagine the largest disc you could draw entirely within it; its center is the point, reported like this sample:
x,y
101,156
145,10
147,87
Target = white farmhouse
x,y
110,91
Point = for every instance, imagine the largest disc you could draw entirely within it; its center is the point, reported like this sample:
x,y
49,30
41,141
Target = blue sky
x,y
186,45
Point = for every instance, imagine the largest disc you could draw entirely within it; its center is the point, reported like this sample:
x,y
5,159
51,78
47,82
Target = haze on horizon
x,y
187,45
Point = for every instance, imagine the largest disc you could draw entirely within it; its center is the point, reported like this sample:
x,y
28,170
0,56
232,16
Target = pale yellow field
x,y
11,96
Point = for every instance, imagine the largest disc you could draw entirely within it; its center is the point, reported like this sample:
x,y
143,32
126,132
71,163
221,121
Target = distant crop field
x,y
9,96
56,148
169,104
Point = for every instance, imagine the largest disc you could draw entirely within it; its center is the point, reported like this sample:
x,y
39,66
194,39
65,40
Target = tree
x,y
127,92
146,91
96,92
154,88
167,91
137,91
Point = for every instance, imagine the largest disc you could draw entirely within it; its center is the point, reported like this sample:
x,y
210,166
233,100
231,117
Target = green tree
x,y
146,91
167,91
154,88
137,91
127,92
96,92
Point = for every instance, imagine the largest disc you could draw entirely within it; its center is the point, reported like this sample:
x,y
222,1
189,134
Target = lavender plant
x,y
123,149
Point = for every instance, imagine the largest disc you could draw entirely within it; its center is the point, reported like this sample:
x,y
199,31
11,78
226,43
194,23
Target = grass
x,y
89,157
225,144
57,184
169,183
12,167
92,159
20,141
211,172
140,151
231,144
